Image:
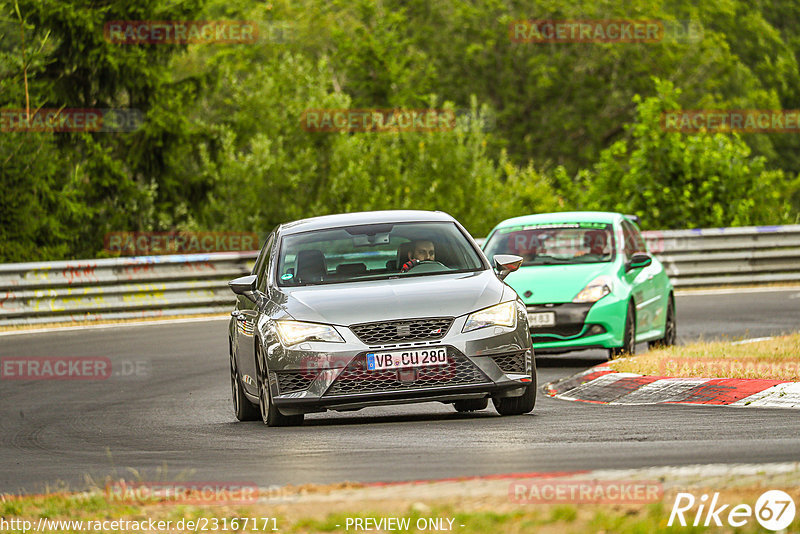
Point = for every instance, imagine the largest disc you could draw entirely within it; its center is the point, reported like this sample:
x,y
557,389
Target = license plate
x,y
541,319
396,359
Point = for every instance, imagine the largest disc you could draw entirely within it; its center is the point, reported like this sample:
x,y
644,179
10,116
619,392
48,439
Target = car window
x,y
563,243
634,242
262,266
370,252
259,263
260,259
641,246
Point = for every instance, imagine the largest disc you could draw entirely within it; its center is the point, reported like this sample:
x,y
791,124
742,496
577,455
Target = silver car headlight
x,y
595,290
504,314
294,332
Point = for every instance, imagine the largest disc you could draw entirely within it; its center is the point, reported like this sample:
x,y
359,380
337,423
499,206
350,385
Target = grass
x,y
464,516
777,359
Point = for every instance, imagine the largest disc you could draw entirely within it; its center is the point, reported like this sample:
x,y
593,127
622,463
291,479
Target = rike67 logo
x,y
774,510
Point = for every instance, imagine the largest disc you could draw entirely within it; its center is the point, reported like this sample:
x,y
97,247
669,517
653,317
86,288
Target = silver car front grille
x,y
356,379
511,363
385,332
294,381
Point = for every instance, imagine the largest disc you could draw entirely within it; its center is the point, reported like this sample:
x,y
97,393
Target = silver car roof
x,y
365,217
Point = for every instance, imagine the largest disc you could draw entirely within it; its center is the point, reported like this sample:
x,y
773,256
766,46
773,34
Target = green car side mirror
x,y
638,261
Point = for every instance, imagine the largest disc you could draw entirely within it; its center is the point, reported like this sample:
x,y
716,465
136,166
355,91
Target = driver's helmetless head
x,y
422,250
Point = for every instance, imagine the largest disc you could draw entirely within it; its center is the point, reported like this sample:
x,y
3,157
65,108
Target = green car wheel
x,y
629,340
670,329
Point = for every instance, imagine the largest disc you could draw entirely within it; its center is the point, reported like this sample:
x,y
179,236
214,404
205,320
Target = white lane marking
x,y
676,475
734,291
785,395
753,340
113,325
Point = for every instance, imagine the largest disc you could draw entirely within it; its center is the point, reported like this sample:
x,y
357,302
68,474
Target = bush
x,y
676,180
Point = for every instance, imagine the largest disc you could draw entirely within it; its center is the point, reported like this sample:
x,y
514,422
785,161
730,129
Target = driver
x,y
595,241
421,250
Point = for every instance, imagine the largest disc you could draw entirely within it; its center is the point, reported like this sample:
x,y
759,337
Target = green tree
x,y
676,180
121,180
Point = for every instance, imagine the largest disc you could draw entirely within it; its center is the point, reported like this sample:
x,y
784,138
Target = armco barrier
x,y
727,256
160,286
119,288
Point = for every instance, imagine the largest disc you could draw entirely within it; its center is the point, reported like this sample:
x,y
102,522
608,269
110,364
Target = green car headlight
x,y
294,332
504,314
595,290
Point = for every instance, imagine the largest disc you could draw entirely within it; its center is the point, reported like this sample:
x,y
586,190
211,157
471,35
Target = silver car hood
x,y
441,295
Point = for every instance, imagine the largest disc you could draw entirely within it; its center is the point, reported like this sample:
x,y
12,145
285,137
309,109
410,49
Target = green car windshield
x,y
374,252
546,244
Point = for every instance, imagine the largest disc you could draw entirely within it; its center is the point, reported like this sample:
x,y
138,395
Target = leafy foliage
x,y
547,127
683,181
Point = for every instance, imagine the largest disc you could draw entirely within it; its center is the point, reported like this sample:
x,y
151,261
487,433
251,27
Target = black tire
x,y
670,329
629,339
471,405
270,414
517,405
243,409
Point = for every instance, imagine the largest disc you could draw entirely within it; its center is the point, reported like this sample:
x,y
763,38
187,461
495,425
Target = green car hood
x,y
556,283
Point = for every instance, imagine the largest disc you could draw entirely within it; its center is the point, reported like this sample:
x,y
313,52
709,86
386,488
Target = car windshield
x,y
546,244
373,252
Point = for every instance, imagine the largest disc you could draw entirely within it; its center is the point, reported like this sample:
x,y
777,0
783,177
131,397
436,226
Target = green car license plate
x,y
537,320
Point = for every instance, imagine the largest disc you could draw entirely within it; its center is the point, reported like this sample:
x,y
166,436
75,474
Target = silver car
x,y
343,312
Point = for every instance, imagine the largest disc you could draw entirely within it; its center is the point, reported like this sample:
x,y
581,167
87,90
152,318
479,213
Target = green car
x,y
587,281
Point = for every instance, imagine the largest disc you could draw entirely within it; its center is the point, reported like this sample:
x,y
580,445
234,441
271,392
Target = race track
x,y
177,416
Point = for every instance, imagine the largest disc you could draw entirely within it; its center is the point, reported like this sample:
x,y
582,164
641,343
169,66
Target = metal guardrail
x,y
162,286
119,288
728,256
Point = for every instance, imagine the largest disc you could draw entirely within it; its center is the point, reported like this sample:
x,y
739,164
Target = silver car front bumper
x,y
315,376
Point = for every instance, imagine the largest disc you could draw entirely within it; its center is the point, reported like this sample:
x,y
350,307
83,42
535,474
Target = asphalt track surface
x,y
175,423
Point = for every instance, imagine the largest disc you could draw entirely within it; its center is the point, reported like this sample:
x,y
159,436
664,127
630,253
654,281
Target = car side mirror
x,y
505,264
245,286
638,261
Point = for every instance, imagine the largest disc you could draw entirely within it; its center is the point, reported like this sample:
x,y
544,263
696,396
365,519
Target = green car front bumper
x,y
581,326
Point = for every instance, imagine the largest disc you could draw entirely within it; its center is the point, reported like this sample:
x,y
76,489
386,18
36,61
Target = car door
x,y
658,277
643,280
246,315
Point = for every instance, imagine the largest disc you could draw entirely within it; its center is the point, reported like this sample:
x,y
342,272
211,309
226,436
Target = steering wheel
x,y
429,263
